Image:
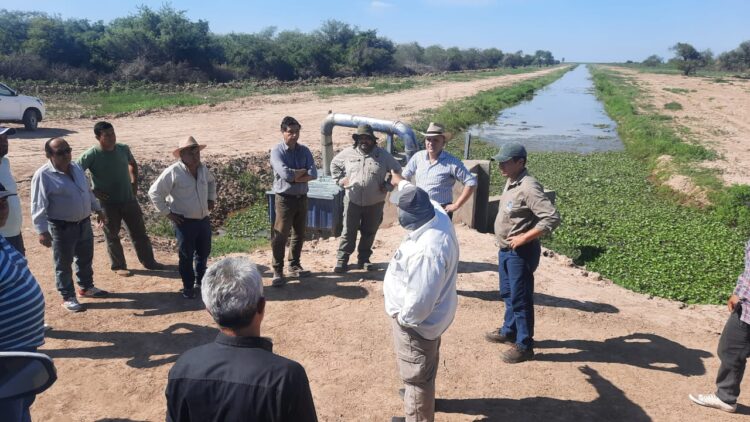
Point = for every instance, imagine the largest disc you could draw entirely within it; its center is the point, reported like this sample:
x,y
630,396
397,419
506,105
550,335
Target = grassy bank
x,y
72,101
615,220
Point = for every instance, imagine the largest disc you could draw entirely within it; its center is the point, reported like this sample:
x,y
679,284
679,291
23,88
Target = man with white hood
x,y
420,294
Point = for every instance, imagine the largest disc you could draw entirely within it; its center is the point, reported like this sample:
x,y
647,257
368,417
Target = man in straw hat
x,y
525,214
185,193
61,206
420,294
436,171
362,171
293,166
114,175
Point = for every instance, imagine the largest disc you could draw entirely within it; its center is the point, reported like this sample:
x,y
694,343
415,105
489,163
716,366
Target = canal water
x,y
565,116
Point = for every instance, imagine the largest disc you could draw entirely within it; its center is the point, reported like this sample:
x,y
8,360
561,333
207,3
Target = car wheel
x,y
30,119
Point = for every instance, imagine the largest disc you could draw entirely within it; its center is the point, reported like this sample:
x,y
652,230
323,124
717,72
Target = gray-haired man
x,y
237,376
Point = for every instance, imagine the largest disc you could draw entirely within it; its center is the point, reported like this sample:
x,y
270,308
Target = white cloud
x,y
380,5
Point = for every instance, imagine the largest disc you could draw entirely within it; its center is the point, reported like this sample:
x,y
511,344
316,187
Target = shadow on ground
x,y
41,132
151,303
142,349
612,404
541,299
319,285
643,350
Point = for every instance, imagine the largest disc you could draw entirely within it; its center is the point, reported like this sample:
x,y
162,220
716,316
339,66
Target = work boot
x,y
495,336
516,354
341,267
365,265
296,270
278,279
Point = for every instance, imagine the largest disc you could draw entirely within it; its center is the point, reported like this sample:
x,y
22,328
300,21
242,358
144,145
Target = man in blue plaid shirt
x,y
734,347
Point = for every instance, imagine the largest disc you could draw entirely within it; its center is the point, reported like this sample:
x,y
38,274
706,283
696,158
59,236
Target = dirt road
x,y
714,110
603,353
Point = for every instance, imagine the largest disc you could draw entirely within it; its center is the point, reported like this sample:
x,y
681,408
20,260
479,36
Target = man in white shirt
x,y
420,294
12,228
185,193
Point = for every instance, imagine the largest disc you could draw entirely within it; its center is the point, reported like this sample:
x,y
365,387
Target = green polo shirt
x,y
109,172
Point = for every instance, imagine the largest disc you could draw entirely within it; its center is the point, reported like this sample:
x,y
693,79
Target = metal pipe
x,y
400,129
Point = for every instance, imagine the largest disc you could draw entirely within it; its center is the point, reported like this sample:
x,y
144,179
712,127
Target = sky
x,y
576,30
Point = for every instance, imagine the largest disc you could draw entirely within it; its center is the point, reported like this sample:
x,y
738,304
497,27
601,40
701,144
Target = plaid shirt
x,y
743,287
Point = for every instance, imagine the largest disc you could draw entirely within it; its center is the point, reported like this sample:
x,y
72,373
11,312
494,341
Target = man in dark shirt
x,y
237,378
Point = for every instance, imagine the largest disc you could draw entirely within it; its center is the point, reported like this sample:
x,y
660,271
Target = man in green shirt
x,y
114,174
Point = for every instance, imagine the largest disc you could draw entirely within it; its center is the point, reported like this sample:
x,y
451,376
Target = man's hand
x,y
101,219
732,302
451,208
176,218
211,205
514,241
395,178
100,195
344,183
45,239
299,173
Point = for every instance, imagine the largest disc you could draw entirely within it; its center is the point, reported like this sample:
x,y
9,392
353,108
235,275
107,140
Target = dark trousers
x,y
17,410
516,270
366,220
130,213
290,223
734,349
72,242
194,246
17,242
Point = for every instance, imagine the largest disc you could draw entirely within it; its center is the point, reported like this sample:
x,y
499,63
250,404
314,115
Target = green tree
x,y
368,53
652,61
686,58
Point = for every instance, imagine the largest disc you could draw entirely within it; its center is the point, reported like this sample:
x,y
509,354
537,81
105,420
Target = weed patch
x,y
673,106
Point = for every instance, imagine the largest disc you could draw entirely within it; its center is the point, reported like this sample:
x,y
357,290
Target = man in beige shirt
x,y
185,193
524,215
362,171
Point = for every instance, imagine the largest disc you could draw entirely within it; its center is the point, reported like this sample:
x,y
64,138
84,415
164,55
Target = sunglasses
x,y
62,151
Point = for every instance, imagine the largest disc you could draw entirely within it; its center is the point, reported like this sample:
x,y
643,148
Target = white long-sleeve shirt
x,y
177,191
420,283
59,196
12,227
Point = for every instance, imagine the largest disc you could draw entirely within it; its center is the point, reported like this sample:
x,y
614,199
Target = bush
x,y
732,207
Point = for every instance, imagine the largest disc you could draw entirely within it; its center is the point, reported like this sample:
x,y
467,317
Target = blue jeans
x,y
72,242
194,245
516,269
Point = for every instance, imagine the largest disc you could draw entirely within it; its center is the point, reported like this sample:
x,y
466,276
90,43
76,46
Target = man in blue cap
x,y
420,294
525,214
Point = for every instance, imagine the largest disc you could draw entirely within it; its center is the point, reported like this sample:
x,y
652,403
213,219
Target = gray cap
x,y
510,150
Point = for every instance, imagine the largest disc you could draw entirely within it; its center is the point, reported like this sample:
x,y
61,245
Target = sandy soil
x,y
602,353
716,113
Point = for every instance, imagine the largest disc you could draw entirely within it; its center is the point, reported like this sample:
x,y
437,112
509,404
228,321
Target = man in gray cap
x,y
361,170
12,228
524,215
420,294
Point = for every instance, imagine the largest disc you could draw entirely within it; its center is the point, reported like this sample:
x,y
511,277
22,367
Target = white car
x,y
20,108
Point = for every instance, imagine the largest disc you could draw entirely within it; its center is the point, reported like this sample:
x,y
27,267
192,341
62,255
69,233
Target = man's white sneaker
x,y
72,304
710,400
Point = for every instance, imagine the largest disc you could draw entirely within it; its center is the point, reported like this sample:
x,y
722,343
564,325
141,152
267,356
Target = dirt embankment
x,y
714,110
603,353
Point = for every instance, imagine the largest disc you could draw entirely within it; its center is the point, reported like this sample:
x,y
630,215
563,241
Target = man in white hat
x,y
61,207
185,193
436,171
12,228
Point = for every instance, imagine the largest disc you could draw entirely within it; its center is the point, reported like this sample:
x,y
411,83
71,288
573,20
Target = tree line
x,y
688,59
165,46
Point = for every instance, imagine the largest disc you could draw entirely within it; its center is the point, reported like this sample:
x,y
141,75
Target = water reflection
x,y
564,116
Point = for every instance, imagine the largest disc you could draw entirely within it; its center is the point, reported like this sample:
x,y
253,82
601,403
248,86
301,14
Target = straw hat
x,y
364,130
187,143
436,129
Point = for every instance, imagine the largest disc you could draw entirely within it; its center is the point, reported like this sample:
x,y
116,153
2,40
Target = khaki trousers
x,y
417,360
